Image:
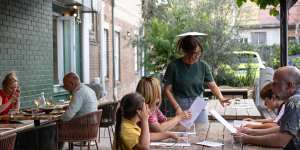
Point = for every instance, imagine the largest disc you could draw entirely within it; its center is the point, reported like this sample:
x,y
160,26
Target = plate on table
x,y
57,112
32,111
47,109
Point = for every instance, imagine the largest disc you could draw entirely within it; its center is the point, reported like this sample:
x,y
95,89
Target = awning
x,y
70,4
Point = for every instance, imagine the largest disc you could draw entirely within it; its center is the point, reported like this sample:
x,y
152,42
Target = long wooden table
x,y
237,110
215,132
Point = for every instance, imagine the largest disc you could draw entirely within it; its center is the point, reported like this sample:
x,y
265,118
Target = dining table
x,y
214,131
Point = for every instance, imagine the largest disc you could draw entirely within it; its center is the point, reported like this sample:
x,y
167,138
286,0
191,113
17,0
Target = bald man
x,y
83,98
286,86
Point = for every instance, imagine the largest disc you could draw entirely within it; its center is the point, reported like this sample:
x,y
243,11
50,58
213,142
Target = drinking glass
x,y
37,103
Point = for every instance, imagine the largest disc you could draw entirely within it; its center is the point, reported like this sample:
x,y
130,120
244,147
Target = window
x,y
258,37
292,39
117,55
106,54
66,47
244,40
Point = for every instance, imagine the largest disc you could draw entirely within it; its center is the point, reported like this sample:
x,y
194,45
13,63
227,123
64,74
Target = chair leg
x,y
109,137
89,142
104,132
96,142
70,146
99,134
112,129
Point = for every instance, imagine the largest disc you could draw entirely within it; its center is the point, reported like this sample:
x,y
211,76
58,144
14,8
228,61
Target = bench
x,y
229,91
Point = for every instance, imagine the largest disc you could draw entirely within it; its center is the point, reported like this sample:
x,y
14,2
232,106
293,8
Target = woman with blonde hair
x,y
150,88
9,94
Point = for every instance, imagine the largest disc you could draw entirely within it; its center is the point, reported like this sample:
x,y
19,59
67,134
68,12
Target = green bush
x,y
225,76
294,48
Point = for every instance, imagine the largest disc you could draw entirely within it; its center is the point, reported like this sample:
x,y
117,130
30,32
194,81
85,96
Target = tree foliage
x,y
167,20
263,5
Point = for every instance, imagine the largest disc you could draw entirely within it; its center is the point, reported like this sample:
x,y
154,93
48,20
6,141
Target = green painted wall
x,y
26,46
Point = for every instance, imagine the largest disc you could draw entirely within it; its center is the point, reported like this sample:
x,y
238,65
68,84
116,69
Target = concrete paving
x,y
104,143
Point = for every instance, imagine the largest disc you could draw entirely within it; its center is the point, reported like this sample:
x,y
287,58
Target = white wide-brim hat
x,y
191,34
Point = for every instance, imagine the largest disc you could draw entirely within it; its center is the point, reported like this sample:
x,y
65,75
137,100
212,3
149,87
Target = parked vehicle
x,y
247,62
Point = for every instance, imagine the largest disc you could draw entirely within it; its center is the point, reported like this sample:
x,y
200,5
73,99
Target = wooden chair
x,y
80,129
108,118
8,142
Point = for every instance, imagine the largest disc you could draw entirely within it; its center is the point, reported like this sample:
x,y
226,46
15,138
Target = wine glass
x,y
37,103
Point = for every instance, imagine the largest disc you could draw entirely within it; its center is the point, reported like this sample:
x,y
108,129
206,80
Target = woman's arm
x,y
4,106
170,97
267,120
17,96
257,132
17,105
157,136
261,126
144,140
216,91
169,124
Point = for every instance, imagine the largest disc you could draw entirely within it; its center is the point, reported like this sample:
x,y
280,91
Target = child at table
x,y
272,103
128,135
149,87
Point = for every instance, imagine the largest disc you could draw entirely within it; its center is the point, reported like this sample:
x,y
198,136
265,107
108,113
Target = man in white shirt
x,y
83,100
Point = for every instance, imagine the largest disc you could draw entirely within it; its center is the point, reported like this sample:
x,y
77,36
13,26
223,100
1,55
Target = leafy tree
x,y
263,5
273,4
177,16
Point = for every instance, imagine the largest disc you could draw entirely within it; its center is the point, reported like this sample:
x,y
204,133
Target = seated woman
x,y
9,95
272,103
149,87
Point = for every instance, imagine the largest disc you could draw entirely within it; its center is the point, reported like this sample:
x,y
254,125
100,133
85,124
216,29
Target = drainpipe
x,y
101,46
113,49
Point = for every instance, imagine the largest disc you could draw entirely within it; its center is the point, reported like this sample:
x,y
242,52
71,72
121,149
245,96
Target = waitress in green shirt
x,y
185,77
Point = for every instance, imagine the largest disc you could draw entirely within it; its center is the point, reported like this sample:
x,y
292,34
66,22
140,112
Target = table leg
x,y
37,122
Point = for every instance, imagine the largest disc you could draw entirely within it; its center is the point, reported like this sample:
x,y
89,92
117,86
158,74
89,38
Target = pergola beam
x,y
283,32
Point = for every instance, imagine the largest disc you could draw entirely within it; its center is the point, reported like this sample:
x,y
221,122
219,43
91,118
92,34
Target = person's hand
x,y
245,130
225,101
13,100
248,119
176,137
143,113
184,115
239,137
17,93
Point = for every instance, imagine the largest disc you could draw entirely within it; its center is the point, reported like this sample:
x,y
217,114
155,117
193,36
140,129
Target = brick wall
x,y
26,45
128,77
94,59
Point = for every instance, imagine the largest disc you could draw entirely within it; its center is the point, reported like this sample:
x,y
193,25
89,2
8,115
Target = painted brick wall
x,y
26,45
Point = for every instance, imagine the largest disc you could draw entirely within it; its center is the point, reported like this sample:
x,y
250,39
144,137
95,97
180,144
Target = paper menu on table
x,y
170,144
196,108
242,123
210,144
223,121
